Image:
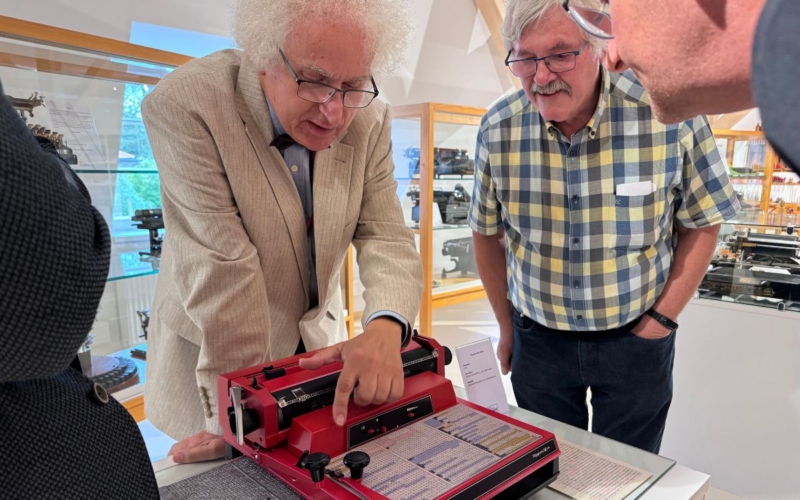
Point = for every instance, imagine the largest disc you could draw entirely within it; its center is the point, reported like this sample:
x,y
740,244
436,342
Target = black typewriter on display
x,y
446,161
152,220
26,106
453,204
750,264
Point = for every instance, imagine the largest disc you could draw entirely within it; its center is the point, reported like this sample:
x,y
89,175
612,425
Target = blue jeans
x,y
630,378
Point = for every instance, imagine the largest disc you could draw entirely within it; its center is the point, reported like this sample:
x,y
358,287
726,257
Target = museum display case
x,y
85,92
434,157
756,263
760,180
757,259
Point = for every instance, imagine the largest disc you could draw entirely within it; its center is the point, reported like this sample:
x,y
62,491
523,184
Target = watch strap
x,y
661,319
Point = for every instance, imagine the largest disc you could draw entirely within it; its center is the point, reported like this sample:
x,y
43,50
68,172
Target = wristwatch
x,y
663,320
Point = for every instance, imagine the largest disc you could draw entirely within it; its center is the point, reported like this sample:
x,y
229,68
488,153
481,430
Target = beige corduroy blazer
x,y
233,286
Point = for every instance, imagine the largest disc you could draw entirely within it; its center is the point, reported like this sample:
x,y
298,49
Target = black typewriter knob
x,y
448,355
356,461
250,421
316,464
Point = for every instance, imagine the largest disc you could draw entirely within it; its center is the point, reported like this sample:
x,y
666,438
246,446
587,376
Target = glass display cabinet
x,y
85,92
757,259
433,147
764,186
756,263
434,158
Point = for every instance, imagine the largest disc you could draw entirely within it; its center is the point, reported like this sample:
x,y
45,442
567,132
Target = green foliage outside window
x,y
134,190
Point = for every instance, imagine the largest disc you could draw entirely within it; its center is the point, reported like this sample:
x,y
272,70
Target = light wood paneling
x,y
59,37
426,218
62,63
458,297
135,407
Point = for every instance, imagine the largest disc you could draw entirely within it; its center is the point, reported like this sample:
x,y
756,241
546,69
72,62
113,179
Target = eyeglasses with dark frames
x,y
595,22
556,63
321,93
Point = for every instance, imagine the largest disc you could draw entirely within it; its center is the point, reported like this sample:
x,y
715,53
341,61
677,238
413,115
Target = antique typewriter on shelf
x,y
453,205
151,219
24,106
446,161
429,445
461,253
757,264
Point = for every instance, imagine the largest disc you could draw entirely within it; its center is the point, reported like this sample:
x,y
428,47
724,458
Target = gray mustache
x,y
551,88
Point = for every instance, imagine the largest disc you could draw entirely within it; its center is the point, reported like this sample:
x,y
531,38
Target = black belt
x,y
620,331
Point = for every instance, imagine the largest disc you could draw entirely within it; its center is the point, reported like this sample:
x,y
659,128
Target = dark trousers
x,y
630,378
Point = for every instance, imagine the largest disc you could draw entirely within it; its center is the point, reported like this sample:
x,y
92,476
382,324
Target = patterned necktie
x,y
282,142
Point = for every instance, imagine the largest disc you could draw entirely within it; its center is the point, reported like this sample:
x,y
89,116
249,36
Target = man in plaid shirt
x,y
593,226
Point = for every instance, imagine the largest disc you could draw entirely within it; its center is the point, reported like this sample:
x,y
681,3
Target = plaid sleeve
x,y
484,210
708,197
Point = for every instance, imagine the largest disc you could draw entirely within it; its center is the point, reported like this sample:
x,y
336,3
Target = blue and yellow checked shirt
x,y
581,257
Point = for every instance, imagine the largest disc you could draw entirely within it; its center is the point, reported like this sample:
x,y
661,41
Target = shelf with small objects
x,y
766,189
757,259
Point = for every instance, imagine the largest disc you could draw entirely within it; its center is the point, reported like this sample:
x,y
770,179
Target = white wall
x,y
449,61
736,408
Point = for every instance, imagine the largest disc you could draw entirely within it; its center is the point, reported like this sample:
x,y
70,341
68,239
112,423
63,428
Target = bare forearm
x,y
692,256
490,259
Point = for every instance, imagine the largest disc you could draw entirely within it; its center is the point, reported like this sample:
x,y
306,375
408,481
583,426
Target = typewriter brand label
x,y
540,452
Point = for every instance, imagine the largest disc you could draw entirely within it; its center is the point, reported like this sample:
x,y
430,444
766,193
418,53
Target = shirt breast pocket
x,y
632,223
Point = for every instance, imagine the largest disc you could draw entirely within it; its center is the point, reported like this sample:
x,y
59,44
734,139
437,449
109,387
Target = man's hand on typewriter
x,y
373,368
198,448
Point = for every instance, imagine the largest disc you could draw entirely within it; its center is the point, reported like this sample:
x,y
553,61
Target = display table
x,y
669,481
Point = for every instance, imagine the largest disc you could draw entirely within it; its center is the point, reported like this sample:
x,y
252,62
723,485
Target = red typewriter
x,y
428,445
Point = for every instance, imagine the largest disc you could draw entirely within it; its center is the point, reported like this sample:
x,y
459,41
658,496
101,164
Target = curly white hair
x,y
261,27
521,13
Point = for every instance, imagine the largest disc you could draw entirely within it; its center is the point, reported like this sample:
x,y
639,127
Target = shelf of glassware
x,y
760,180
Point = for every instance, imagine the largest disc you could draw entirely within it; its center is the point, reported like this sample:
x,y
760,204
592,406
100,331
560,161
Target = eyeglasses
x,y
556,63
321,93
595,22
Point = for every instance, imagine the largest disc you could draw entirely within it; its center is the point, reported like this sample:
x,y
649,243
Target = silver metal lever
x,y
236,398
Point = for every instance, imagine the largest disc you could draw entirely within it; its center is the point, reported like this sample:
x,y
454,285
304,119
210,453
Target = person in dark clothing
x,y
61,436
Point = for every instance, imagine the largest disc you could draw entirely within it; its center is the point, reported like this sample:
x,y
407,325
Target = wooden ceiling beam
x,y
493,12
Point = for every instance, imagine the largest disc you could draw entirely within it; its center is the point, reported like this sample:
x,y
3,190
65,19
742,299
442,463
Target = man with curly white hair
x,y
273,160
593,225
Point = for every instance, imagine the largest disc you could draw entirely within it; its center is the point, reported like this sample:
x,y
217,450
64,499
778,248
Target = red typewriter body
x,y
427,445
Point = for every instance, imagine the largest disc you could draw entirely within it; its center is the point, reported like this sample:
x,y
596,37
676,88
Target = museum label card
x,y
481,375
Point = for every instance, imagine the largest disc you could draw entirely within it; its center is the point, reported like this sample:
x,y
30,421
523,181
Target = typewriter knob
x,y
315,463
356,461
448,356
250,421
